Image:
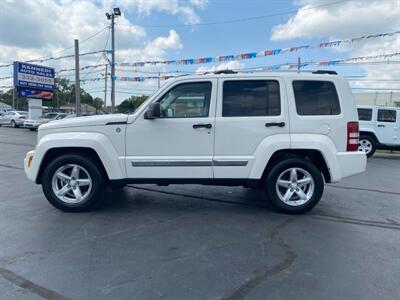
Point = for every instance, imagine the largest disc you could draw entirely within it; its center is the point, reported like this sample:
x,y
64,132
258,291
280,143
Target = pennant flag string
x,y
284,66
254,54
60,57
83,68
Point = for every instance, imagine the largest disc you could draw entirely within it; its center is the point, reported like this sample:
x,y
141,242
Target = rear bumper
x,y
19,122
349,164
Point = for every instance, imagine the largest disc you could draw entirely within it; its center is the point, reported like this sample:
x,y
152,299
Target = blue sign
x,y
33,76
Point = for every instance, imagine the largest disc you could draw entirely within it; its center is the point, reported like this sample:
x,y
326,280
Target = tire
x,y
367,145
88,171
13,124
307,195
32,129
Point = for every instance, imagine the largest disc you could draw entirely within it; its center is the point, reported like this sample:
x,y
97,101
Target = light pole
x,y
116,13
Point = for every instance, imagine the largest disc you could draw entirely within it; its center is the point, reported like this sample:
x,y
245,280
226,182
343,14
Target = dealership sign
x,y
35,94
35,77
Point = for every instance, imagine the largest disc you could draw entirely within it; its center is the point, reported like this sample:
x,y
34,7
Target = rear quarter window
x,y
316,98
364,114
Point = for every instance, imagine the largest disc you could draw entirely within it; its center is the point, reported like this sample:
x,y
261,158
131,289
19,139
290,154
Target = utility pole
x,y
112,65
105,88
116,13
77,81
13,97
298,64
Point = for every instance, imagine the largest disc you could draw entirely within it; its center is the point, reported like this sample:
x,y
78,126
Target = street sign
x,y
35,94
33,76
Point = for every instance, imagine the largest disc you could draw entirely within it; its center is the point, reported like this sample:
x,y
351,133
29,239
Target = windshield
x,y
49,116
22,113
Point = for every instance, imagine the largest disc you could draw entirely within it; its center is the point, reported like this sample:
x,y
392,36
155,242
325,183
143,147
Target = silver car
x,y
14,118
34,124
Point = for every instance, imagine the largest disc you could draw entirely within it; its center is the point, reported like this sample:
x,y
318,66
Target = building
x,y
86,109
378,98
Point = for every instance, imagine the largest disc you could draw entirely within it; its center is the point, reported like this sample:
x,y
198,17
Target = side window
x,y
250,98
187,100
316,98
386,115
364,114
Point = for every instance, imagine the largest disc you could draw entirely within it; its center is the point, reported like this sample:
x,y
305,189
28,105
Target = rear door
x,y
248,111
387,126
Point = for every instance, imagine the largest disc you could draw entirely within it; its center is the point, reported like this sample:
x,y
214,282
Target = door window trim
x,y
183,83
248,80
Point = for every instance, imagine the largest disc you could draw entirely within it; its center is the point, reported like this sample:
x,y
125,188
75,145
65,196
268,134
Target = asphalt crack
x,y
362,189
261,275
11,167
324,217
30,286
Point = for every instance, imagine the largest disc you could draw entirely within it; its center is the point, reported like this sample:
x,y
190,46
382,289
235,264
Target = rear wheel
x,y
72,183
13,124
367,145
294,185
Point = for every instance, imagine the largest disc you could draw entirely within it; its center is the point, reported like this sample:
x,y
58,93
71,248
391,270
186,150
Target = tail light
x,y
353,135
21,117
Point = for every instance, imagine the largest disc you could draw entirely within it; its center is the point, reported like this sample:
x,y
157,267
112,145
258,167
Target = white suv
x,y
379,128
286,133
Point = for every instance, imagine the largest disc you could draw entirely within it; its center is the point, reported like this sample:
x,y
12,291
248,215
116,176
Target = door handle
x,y
208,126
279,124
381,125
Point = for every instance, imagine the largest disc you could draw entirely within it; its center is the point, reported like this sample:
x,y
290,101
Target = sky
x,y
178,29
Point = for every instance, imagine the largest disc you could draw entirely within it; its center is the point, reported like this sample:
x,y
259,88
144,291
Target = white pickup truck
x,y
379,128
287,133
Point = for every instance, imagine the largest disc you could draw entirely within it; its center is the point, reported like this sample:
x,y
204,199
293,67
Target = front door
x,y
180,143
388,126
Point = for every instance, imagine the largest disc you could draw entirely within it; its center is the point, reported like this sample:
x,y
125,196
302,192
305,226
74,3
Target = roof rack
x,y
227,71
330,72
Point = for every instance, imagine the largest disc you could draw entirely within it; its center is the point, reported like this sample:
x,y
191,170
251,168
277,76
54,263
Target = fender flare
x,y
113,165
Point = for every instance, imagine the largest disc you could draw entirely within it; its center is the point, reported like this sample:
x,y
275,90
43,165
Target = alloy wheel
x,y
295,186
365,146
72,183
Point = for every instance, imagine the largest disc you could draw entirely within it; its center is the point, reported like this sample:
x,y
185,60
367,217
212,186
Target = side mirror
x,y
154,111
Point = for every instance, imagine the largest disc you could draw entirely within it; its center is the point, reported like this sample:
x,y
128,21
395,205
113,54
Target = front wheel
x,y
294,185
73,183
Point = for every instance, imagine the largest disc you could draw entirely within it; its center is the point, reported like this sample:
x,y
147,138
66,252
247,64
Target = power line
x,y
101,55
65,49
240,20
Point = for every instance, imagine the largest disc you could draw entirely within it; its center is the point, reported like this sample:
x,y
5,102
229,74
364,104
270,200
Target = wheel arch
x,y
370,134
315,156
55,152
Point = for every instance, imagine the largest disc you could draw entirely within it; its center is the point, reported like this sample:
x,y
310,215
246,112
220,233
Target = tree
x,y
98,103
131,104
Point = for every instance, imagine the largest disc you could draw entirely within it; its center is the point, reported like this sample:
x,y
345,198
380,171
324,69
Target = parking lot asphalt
x,y
198,242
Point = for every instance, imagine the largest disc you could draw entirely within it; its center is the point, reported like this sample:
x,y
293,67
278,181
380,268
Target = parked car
x,y
286,133
5,110
14,118
379,128
34,124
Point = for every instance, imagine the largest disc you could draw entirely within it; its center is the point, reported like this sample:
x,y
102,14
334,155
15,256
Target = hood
x,y
96,120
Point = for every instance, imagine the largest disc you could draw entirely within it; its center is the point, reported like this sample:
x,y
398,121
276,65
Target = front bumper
x,y
30,165
31,125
